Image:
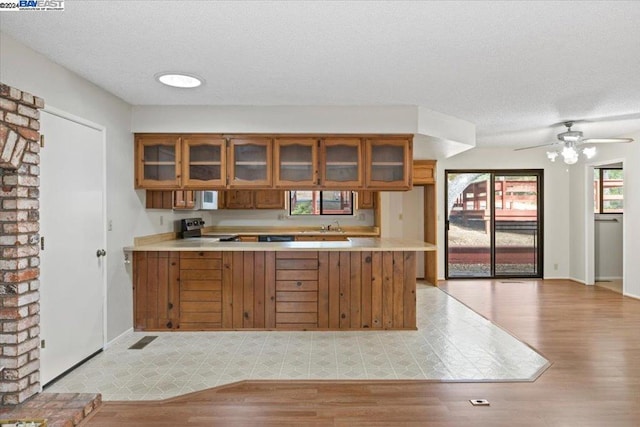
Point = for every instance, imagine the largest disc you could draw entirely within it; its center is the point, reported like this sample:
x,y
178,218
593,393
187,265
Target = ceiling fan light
x,y
570,155
569,151
551,155
589,152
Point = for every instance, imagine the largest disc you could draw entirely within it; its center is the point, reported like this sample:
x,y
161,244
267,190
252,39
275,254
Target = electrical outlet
x,y
110,225
555,266
361,217
161,220
479,402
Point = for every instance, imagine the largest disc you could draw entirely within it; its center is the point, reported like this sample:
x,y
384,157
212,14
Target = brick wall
x,y
19,245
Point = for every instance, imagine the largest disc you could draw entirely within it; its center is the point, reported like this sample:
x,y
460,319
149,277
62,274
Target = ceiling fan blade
x,y
535,146
606,140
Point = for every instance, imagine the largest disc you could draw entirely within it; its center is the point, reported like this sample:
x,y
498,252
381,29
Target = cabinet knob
x,y
298,283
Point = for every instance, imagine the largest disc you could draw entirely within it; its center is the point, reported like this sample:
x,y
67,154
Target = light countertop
x,y
352,244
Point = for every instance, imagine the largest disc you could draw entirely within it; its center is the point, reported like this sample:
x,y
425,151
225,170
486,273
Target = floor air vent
x,y
512,281
143,342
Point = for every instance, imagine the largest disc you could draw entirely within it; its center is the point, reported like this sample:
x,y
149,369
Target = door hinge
x,y
42,141
42,243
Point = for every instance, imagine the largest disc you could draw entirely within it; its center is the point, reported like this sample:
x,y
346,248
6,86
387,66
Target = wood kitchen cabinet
x,y
424,172
204,162
158,161
235,199
367,199
341,163
268,199
200,300
296,162
251,199
333,290
184,199
388,163
173,162
167,199
156,290
286,162
296,290
249,162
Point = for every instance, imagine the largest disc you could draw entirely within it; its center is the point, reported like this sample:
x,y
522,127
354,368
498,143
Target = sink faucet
x,y
338,224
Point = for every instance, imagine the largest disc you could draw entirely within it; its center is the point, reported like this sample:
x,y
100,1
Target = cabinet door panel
x,y
204,162
200,275
268,199
389,163
296,264
296,285
297,275
342,163
367,199
250,163
296,307
238,199
288,318
300,296
158,161
296,162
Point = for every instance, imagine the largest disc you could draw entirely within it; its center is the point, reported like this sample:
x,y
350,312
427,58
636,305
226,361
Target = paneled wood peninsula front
x,y
193,284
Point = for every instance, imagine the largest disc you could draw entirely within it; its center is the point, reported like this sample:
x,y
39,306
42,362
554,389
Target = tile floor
x,y
452,343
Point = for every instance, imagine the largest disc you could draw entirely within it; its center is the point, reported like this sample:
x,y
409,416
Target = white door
x,y
73,226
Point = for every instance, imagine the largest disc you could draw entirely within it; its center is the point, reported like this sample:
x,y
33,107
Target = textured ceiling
x,y
512,68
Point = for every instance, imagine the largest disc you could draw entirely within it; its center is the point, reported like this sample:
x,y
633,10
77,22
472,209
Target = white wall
x,y
582,219
30,71
556,195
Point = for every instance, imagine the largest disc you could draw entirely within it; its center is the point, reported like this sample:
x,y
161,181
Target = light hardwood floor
x,y
590,334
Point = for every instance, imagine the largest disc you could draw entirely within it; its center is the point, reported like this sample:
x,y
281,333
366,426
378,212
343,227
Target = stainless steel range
x,y
191,228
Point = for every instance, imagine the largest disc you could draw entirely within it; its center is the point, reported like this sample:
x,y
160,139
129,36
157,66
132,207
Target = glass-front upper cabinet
x,y
204,161
341,163
296,162
249,162
158,161
389,163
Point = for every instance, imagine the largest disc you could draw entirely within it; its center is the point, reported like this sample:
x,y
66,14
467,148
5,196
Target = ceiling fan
x,y
569,143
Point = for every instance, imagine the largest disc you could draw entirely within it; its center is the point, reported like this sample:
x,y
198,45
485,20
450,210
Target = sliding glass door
x,y
493,223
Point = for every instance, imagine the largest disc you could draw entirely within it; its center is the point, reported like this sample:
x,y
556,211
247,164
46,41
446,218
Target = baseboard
x,y
113,341
599,279
631,296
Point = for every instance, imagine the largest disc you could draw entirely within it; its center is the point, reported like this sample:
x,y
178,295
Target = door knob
x,y
100,252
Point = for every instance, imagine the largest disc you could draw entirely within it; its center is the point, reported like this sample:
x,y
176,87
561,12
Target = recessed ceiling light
x,y
180,80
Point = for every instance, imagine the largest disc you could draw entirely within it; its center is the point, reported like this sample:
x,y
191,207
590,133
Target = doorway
x,y
608,206
72,226
493,224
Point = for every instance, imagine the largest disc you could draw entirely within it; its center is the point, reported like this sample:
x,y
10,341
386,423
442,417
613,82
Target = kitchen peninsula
x,y
201,284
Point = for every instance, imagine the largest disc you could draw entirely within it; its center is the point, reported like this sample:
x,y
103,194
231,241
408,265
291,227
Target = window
x,y
321,203
608,186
